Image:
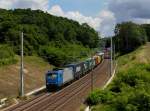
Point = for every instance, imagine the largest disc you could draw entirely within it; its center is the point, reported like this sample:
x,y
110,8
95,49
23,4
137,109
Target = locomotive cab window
x,y
52,76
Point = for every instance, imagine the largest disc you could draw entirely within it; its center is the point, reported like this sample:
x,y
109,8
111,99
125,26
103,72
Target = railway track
x,y
55,101
101,76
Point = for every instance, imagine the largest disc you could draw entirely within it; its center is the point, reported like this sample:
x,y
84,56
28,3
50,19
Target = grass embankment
x,y
34,74
130,89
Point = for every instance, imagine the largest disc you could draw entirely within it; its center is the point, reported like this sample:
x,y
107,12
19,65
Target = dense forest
x,y
129,36
147,29
58,40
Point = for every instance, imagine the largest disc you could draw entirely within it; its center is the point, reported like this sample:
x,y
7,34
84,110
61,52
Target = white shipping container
x,y
68,75
78,69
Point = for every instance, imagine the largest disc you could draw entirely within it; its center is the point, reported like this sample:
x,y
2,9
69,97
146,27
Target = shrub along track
x,y
71,97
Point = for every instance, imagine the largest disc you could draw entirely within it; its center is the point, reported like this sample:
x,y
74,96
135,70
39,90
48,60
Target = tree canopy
x,y
129,36
42,30
147,29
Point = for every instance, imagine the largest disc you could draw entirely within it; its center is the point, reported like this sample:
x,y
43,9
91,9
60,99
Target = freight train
x,y
57,78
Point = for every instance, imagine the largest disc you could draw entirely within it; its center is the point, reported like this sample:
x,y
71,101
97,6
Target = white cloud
x,y
33,4
134,10
141,21
75,15
6,3
93,22
104,22
108,23
56,10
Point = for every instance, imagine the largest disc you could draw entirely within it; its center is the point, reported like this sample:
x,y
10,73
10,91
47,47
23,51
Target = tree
x,y
147,29
129,36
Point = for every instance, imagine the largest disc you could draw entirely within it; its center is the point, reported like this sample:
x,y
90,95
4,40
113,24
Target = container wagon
x,y
86,67
97,59
78,69
101,55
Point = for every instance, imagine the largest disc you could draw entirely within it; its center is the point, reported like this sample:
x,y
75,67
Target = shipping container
x,y
101,55
93,63
86,66
97,59
77,69
68,75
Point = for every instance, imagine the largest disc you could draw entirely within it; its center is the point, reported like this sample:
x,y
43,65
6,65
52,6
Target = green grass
x,y
7,56
129,91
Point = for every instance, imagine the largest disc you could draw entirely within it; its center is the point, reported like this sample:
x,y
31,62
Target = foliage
x,y
7,55
129,36
41,29
60,56
147,29
129,91
99,96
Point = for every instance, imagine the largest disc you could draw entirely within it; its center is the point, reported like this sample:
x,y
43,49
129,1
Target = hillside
x,y
139,56
46,35
130,89
34,73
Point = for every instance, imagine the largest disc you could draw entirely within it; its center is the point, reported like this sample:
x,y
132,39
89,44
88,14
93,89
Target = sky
x,y
102,15
86,7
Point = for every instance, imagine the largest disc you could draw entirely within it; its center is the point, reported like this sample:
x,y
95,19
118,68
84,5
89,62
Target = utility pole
x,y
114,52
92,76
21,69
111,62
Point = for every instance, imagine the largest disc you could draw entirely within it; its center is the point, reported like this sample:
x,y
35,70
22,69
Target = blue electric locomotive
x,y
54,79
58,78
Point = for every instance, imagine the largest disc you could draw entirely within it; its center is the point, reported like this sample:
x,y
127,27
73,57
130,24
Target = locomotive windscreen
x,y
52,76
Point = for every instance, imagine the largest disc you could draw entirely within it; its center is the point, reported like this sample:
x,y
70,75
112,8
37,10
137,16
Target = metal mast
x,y
111,64
21,69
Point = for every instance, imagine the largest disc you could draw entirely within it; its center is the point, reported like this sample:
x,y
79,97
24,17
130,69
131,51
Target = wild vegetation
x,y
7,56
147,29
129,36
130,89
46,35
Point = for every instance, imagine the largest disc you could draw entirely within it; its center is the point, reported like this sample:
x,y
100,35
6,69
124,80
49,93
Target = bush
x,y
99,96
7,55
142,101
60,56
128,92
